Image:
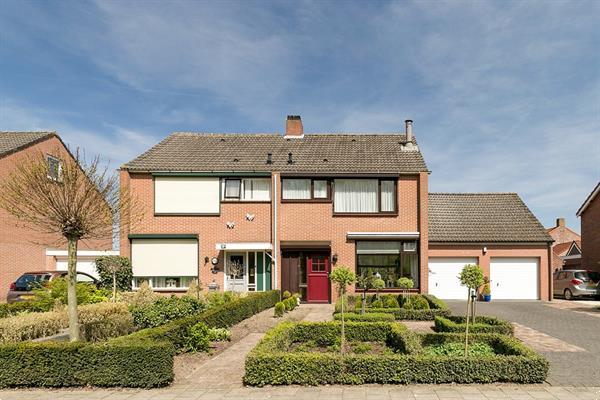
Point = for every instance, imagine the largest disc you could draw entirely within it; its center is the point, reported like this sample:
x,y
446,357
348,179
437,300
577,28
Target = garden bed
x,y
302,353
483,324
141,359
425,310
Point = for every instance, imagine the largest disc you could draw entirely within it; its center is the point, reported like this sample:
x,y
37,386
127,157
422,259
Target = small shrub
x,y
166,309
377,304
219,335
279,309
216,299
141,297
32,326
390,302
10,309
286,295
56,289
483,324
360,347
416,302
198,338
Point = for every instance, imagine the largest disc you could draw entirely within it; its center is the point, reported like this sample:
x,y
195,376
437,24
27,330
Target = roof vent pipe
x,y
409,135
290,160
269,158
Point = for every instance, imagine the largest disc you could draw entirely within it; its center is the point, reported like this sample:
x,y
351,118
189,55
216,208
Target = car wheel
x,y
568,294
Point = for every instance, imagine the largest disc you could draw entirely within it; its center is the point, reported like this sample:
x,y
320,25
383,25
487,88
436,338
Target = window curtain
x,y
320,189
232,188
296,189
388,196
257,189
356,195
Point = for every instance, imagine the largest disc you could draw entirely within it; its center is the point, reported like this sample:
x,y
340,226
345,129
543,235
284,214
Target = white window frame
x,y
50,158
243,182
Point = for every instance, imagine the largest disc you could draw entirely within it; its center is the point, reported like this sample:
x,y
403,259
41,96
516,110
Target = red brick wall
x,y
540,252
562,234
296,221
22,249
590,236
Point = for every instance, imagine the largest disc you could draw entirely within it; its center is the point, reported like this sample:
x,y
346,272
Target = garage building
x,y
496,231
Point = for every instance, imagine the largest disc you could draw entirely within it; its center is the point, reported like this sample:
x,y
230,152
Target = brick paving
x,y
567,368
221,376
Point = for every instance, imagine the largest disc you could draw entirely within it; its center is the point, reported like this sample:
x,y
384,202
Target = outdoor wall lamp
x,y
484,250
206,259
334,258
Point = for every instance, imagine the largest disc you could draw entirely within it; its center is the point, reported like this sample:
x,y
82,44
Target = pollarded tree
x,y
342,277
471,276
68,198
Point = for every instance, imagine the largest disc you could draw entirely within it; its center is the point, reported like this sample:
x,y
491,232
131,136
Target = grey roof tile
x,y
482,217
14,141
314,153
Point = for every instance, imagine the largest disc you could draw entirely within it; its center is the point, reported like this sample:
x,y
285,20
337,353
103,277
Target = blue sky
x,y
505,95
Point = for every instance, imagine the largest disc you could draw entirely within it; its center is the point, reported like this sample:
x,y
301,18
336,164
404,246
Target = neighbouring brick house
x,y
21,248
261,211
589,212
567,243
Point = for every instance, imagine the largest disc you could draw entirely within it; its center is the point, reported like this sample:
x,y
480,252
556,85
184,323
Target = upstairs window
x,y
364,196
54,168
305,189
257,189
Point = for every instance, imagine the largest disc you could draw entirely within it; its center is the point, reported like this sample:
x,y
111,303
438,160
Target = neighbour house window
x,y
305,189
54,168
164,282
257,189
364,196
391,259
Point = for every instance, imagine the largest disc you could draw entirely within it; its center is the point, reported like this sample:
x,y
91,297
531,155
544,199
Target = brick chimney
x,y
560,222
293,127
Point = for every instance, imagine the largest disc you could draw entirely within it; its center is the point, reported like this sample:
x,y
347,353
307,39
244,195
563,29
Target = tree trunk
x,y
467,322
72,291
114,296
363,302
343,333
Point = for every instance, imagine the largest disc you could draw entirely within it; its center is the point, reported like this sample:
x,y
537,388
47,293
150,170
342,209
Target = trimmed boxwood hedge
x,y
437,307
142,359
352,316
483,324
269,363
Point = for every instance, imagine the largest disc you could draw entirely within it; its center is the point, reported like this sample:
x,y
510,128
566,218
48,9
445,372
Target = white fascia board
x,y
571,257
82,253
244,246
382,235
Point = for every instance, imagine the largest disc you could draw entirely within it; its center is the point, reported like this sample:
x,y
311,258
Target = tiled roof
x,y
15,141
562,248
589,199
314,153
482,217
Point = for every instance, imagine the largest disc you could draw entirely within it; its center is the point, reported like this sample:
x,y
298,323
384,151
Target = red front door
x,y
318,278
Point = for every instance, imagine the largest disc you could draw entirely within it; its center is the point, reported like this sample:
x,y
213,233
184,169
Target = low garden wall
x,y
280,358
142,359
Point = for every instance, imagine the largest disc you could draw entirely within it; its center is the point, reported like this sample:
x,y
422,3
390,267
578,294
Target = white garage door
x,y
443,277
514,278
83,265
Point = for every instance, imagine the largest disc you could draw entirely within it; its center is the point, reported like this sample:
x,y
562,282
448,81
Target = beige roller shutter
x,y
164,257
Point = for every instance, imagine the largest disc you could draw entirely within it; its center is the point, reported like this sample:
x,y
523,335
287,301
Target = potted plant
x,y
486,292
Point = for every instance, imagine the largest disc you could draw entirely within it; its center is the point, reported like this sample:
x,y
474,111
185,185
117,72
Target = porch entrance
x,y
247,271
307,272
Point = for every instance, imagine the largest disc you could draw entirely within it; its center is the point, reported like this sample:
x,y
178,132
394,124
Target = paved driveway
x,y
558,321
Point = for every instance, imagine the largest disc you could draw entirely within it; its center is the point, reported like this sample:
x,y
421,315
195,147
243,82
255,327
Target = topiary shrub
x,y
377,304
416,302
166,309
279,309
286,295
197,338
390,301
367,317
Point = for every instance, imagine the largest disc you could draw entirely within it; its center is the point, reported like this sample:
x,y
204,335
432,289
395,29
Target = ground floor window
x,y
392,260
164,282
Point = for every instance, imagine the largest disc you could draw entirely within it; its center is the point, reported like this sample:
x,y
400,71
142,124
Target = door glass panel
x,y
318,263
235,267
251,269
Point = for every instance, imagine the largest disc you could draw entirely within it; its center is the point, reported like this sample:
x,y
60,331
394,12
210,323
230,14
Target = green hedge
x,y
353,316
437,307
142,359
483,324
10,309
270,362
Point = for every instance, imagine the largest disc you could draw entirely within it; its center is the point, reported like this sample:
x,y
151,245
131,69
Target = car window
x,y
562,275
587,276
81,277
28,281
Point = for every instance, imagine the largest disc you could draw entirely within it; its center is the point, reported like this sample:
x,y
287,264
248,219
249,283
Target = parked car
x,y
22,288
576,283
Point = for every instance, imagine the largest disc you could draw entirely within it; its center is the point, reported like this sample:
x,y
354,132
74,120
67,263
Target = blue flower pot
x,y
487,297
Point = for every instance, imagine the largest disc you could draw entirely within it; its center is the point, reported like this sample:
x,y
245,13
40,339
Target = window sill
x,y
187,214
235,201
378,214
306,201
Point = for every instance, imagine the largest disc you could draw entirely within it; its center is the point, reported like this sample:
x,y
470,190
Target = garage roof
x,y
482,218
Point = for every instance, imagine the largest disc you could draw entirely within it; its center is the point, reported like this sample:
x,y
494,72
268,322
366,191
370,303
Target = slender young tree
x,y
471,276
342,277
71,199
365,282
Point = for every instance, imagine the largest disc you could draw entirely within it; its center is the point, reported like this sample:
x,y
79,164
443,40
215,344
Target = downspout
x,y
275,244
550,274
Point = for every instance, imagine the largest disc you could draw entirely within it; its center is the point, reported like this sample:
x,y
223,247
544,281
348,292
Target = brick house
x,y
567,243
260,211
589,212
22,249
